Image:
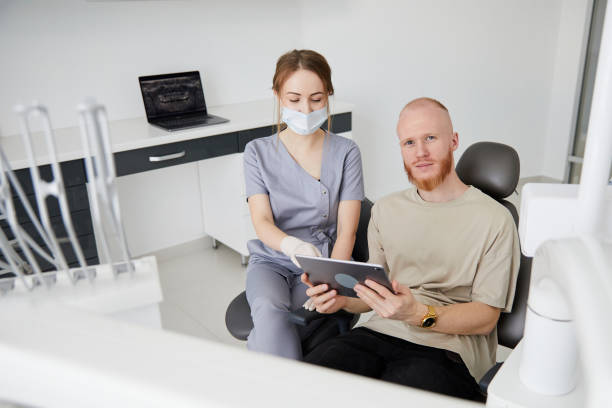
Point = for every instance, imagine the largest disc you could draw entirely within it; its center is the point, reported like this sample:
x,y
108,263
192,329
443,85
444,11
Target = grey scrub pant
x,y
273,289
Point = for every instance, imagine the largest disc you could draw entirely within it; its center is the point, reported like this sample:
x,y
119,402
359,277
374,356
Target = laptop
x,y
176,101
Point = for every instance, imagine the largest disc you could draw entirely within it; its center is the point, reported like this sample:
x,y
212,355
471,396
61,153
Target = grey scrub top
x,y
303,206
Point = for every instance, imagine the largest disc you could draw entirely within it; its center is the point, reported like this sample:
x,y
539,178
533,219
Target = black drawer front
x,y
245,136
77,200
138,160
81,221
88,246
73,173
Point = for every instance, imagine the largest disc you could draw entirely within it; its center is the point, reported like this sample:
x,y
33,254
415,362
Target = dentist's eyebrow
x,y
295,93
316,93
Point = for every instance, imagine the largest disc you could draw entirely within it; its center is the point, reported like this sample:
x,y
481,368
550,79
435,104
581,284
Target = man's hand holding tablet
x,y
398,304
322,299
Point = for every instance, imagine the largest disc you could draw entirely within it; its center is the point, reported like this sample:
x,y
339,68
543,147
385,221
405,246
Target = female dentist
x,y
304,186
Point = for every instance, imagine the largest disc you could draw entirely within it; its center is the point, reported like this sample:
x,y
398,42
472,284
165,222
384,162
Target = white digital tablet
x,y
342,275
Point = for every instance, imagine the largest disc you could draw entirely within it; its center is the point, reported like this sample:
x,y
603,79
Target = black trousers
x,y
376,355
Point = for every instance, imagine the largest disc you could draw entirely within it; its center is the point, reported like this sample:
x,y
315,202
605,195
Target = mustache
x,y
430,183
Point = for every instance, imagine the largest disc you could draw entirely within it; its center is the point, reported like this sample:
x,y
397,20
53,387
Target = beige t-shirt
x,y
458,251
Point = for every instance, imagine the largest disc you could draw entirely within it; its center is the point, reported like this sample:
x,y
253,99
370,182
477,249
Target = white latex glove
x,y
309,305
292,246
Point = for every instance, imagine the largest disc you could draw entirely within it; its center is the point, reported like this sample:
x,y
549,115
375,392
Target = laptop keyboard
x,y
183,122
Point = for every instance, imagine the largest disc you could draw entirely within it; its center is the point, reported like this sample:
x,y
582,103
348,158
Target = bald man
x,y
452,254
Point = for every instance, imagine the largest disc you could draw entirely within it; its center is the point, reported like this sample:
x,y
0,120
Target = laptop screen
x,y
172,94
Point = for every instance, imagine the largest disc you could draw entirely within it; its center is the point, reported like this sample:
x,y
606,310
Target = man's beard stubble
x,y
428,184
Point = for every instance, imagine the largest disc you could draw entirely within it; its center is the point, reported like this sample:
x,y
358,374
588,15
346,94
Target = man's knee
x,y
326,353
341,355
431,375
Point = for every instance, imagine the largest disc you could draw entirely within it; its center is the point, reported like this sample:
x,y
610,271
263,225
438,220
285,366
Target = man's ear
x,y
455,141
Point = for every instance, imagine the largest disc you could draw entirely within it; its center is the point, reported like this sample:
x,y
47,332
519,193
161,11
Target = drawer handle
x,y
167,157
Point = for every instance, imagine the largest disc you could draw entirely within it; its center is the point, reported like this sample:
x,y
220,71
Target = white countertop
x,y
88,359
129,134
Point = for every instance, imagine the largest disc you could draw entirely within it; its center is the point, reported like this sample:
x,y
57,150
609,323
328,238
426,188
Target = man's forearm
x,y
356,306
461,318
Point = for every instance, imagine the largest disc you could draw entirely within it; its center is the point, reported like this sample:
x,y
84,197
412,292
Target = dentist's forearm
x,y
269,233
343,248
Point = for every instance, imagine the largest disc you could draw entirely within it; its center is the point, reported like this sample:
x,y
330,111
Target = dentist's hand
x,y
321,298
292,246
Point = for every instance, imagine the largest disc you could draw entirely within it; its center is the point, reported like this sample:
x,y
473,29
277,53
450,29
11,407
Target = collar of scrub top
x,y
100,169
16,263
53,188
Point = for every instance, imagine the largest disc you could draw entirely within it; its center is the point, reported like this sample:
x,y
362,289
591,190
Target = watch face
x,y
429,322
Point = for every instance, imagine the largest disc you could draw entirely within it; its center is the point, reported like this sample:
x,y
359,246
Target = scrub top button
x,y
324,192
324,215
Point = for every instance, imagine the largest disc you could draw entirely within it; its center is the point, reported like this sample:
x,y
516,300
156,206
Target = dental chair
x,y
493,168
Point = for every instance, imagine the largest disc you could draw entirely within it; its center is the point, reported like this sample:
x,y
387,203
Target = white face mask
x,y
302,123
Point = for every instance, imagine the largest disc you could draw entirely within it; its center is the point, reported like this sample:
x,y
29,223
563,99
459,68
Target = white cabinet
x,y
224,207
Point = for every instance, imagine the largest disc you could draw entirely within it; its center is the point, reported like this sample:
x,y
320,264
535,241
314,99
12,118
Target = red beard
x,y
430,183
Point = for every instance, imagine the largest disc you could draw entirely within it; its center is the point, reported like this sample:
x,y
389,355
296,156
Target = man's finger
x,y
395,285
305,280
382,291
399,288
375,306
316,290
326,306
367,301
368,294
374,300
319,300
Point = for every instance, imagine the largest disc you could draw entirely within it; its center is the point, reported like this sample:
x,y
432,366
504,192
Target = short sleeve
x,y
253,179
352,176
375,247
495,279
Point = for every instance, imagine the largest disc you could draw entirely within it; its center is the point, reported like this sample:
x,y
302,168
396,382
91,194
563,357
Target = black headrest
x,y
493,168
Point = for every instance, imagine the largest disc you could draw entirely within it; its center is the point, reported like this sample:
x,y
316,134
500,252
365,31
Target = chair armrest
x,y
488,377
303,317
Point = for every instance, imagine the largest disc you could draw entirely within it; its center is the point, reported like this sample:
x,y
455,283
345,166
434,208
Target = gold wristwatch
x,y
429,320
